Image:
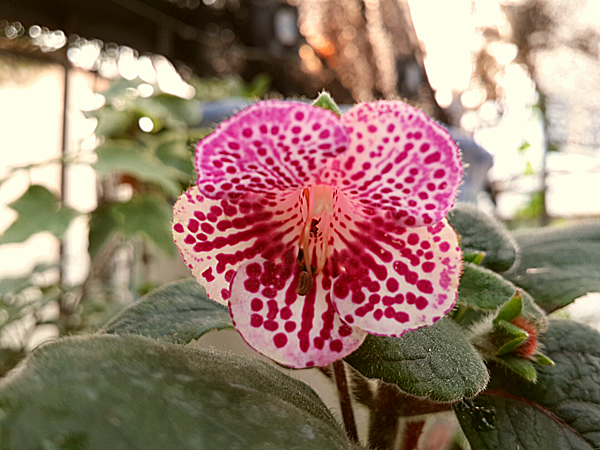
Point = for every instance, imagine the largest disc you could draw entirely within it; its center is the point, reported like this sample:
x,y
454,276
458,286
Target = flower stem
x,y
412,433
383,422
345,401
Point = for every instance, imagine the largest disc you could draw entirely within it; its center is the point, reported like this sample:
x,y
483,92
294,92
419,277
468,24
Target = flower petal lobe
x,y
269,146
399,160
392,279
296,331
215,237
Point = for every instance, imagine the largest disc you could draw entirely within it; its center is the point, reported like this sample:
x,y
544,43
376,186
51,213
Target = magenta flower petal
x,y
392,279
296,331
271,145
215,237
400,160
318,229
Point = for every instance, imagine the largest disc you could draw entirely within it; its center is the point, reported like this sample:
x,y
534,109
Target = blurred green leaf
x,y
112,392
524,146
111,123
148,216
39,210
481,233
560,411
178,312
133,159
436,362
558,265
174,153
179,110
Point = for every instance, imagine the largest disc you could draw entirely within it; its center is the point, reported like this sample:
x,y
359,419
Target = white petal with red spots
x,y
363,197
215,237
392,279
297,331
399,160
271,145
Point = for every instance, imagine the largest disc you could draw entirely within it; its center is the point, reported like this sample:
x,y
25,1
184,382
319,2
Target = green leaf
x,y
508,329
111,123
522,367
556,266
542,360
436,362
39,210
175,110
487,290
325,101
511,309
510,346
148,216
496,423
561,410
178,312
133,159
174,153
113,392
481,233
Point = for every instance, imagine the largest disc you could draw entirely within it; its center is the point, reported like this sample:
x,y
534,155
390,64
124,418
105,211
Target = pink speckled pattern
x,y
401,161
357,204
299,331
271,145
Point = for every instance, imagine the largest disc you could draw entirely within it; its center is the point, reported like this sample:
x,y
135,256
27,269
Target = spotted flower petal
x,y
271,145
391,279
294,330
215,237
399,160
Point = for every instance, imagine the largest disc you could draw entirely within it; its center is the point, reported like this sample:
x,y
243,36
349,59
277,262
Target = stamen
x,y
305,282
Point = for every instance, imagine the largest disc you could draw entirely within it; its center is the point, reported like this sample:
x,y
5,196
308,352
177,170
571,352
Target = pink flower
x,y
318,230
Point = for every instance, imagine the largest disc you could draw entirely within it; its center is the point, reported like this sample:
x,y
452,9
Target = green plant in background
x,y
513,377
140,173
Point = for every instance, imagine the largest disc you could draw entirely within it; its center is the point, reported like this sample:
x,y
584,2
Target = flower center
x,y
314,237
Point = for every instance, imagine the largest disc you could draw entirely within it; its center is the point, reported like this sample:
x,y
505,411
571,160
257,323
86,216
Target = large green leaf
x,y
556,266
148,216
113,392
133,159
494,423
178,312
174,152
111,122
560,411
39,210
436,362
481,233
486,290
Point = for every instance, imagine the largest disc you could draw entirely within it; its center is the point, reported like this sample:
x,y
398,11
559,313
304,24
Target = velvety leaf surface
x,y
435,362
556,266
484,289
494,423
39,210
178,312
481,233
133,159
561,410
111,392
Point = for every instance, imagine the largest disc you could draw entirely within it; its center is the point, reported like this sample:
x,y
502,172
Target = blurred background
x,y
101,104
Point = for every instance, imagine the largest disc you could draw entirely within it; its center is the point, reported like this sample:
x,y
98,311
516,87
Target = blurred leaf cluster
x,y
143,160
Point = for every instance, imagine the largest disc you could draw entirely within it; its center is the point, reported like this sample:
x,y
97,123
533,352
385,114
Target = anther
x,y
305,282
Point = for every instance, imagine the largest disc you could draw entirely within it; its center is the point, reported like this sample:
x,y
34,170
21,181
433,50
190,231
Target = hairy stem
x,y
412,432
345,401
383,421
